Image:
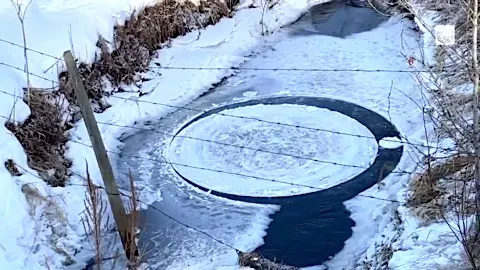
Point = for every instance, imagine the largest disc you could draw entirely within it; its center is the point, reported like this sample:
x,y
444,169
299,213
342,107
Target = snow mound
x,y
301,156
390,142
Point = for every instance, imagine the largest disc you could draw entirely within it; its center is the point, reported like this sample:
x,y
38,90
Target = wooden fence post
x,y
114,196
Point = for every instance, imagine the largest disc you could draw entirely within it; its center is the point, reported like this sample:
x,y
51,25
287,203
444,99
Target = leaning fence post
x,y
116,203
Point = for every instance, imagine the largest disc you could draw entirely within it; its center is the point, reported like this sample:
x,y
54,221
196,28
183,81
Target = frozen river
x,y
271,161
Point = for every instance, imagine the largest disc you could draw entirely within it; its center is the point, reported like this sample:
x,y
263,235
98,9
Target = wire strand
x,y
240,174
214,68
33,74
158,66
140,201
293,69
171,217
234,173
255,119
241,147
228,115
29,49
279,123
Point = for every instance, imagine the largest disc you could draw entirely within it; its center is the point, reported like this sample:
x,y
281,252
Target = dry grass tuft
x,y
93,218
138,39
43,136
426,188
257,262
450,59
427,197
135,259
449,77
96,224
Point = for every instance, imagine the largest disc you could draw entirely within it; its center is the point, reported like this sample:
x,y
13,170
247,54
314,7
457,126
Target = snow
x,y
423,249
320,151
30,232
33,231
53,26
390,142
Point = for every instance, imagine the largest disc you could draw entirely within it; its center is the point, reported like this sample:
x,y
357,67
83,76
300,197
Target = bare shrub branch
x,y
92,220
266,5
448,190
21,11
133,208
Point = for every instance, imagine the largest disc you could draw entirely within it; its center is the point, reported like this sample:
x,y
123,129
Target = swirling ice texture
x,y
310,157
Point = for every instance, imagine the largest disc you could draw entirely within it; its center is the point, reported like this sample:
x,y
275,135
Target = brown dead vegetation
x,y
447,191
12,168
95,222
451,62
138,40
257,262
43,136
427,198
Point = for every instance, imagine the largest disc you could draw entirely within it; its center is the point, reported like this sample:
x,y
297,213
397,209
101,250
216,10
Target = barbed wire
x,y
242,147
239,146
165,162
206,140
242,117
142,202
171,217
292,69
401,172
30,73
30,49
231,145
280,123
247,147
255,119
219,113
223,114
239,174
260,150
184,224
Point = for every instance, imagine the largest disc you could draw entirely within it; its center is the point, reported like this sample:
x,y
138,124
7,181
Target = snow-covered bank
x,y
37,223
411,240
29,230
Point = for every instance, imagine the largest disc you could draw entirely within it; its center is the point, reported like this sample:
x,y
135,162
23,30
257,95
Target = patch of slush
x,y
284,153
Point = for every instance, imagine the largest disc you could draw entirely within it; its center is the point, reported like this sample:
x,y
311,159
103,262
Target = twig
x,y
18,4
